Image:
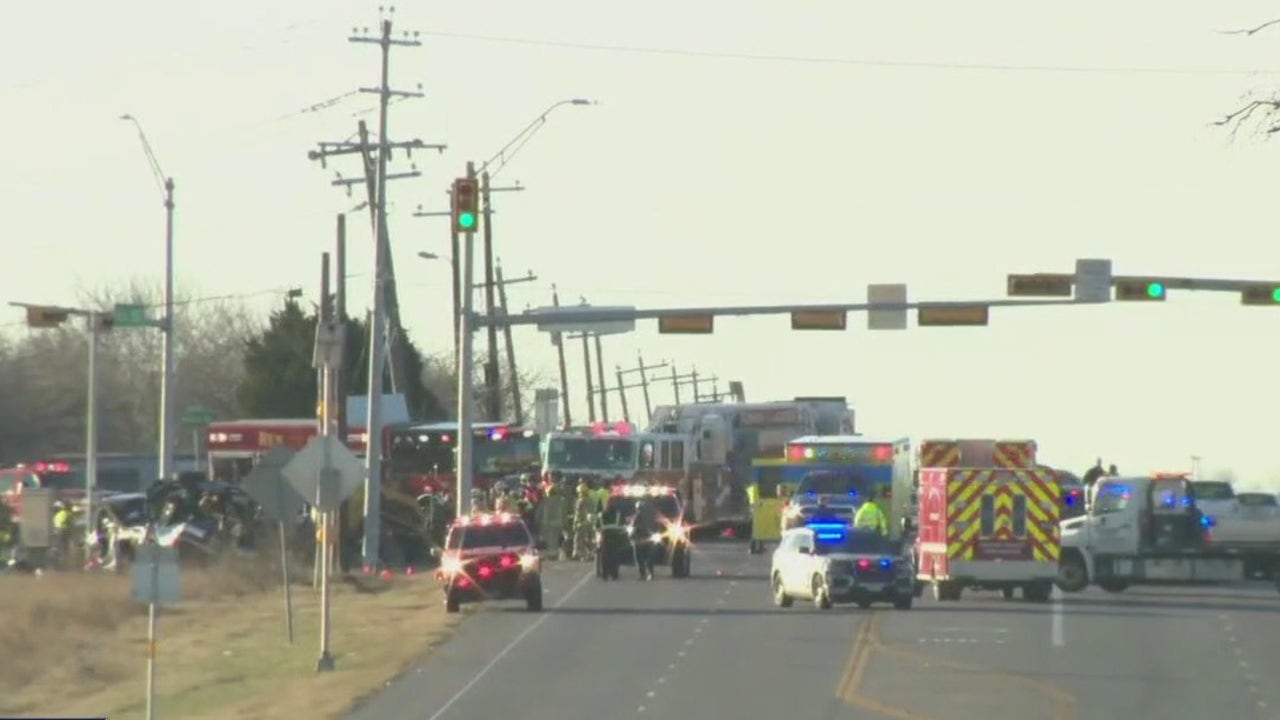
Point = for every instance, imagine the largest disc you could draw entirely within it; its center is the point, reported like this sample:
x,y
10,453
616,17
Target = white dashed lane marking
x,y
1250,679
697,630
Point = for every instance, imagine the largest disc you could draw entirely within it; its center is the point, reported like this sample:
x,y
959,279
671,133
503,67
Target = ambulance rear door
x,y
931,542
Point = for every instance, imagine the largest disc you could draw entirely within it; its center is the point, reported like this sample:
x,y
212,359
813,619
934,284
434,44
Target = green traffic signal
x,y
467,220
1156,290
1275,295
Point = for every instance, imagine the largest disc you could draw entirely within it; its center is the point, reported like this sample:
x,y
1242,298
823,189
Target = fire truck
x,y
234,446
988,519
422,458
724,439
616,454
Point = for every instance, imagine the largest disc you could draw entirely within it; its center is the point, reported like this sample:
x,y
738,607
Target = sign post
x,y
328,472
155,583
278,499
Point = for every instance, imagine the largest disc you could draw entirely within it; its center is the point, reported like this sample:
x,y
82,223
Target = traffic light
x,y
46,317
465,205
819,320
687,324
953,316
1141,290
1261,295
1041,285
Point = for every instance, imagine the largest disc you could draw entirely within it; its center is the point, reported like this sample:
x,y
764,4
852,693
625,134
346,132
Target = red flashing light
x,y
508,561
795,453
446,439
52,467
498,434
463,581
485,572
882,453
864,564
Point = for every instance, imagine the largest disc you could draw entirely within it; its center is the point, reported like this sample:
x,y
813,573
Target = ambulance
x,y
988,519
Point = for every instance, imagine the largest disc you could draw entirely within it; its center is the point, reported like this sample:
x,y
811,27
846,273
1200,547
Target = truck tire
x,y
947,591
1037,592
1113,585
1073,576
451,602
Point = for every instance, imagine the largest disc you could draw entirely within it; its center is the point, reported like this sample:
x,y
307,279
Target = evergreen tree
x,y
280,381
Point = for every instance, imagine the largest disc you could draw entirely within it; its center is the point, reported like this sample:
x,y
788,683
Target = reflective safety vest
x,y
871,517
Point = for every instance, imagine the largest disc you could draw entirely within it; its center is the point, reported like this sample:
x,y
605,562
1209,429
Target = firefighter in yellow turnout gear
x,y
584,517
871,518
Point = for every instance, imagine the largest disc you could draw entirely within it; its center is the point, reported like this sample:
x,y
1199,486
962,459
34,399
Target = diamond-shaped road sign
x,y
891,294
325,472
267,485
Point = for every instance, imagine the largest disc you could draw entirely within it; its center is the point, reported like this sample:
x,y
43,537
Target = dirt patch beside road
x,y
75,645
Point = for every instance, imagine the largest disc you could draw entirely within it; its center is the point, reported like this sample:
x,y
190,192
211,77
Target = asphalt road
x,y
714,646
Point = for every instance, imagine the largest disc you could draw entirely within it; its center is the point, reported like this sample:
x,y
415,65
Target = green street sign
x,y
197,416
126,315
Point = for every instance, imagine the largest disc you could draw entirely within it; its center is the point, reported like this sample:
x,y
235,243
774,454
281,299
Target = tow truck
x,y
1149,530
988,519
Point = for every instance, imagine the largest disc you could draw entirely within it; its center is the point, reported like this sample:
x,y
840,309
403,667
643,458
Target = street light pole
x,y
91,424
168,391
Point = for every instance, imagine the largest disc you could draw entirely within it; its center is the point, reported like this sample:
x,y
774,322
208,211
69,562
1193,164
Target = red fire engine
x,y
421,457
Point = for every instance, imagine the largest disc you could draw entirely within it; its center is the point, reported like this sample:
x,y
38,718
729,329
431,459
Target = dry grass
x,y
75,644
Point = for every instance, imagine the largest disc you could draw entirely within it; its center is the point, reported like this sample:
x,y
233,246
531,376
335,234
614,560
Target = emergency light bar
x,y
863,454
641,491
51,467
827,525
485,519
623,429
884,563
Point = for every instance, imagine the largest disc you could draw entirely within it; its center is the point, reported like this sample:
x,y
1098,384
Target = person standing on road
x,y
643,527
584,511
870,517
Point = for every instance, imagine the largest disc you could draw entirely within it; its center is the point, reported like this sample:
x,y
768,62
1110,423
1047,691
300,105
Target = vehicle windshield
x,y
128,512
1111,497
506,535
1258,500
417,452
666,505
231,470
833,483
591,454
510,454
61,481
853,542
1213,490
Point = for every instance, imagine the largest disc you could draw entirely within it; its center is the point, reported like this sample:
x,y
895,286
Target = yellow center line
x,y
867,640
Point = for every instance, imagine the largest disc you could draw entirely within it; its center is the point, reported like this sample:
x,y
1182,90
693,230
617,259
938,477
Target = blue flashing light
x,y
826,525
853,493
1207,521
886,563
1070,499
830,536
811,493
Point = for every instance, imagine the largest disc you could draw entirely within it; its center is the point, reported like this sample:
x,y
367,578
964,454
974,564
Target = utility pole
x,y
558,339
384,300
678,380
517,403
622,395
604,391
340,385
493,390
464,218
643,371
586,365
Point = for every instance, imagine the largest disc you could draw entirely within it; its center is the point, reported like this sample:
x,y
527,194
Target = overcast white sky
x,y
930,143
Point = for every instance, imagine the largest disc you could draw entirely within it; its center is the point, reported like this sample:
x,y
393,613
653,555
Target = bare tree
x,y
43,376
440,378
1259,110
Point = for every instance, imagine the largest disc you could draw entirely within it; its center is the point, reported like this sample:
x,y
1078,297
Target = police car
x,y
826,493
490,556
829,563
615,551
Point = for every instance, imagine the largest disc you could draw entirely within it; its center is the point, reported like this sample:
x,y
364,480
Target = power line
x,y
853,62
